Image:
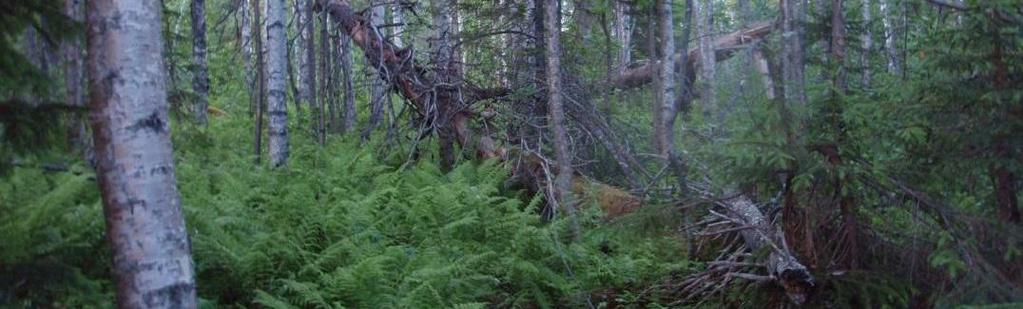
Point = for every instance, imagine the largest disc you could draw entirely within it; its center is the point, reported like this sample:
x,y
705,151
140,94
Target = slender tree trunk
x,y
74,80
1006,185
145,226
307,66
245,27
563,180
868,45
838,44
792,51
664,85
377,88
890,35
260,100
347,83
850,226
623,32
324,73
705,32
200,75
277,66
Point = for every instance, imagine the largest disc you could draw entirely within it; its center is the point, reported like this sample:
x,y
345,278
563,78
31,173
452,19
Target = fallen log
x,y
724,48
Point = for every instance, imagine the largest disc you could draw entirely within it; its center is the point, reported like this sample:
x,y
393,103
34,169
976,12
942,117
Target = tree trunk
x,y
889,36
445,72
145,226
623,32
245,45
868,45
793,12
307,67
200,75
260,100
664,85
705,32
277,66
377,88
74,80
838,44
563,180
347,85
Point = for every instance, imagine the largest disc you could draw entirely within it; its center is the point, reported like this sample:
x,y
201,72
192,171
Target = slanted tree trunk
x,y
152,265
74,80
277,66
260,97
200,75
378,88
563,180
705,32
758,233
725,47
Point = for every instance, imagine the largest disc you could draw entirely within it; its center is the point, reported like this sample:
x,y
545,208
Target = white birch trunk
x,y
277,67
145,226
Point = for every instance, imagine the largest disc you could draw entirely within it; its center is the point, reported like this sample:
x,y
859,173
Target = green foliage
x,y
337,228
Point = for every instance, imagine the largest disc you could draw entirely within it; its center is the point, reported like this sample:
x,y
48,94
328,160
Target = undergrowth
x,y
341,226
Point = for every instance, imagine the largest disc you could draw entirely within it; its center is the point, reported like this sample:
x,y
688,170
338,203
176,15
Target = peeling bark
x,y
152,265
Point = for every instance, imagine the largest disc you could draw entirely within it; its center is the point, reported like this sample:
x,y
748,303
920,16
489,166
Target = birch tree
x,y
277,66
152,265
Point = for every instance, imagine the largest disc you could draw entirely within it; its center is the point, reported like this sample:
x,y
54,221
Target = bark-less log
x,y
724,48
200,75
145,225
277,66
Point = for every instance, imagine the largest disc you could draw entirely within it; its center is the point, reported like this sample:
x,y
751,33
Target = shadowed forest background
x,y
511,153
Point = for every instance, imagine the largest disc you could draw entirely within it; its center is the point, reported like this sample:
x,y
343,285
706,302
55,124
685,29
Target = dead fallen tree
x,y
724,48
442,105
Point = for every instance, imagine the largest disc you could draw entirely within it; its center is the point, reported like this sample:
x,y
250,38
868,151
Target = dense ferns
x,y
339,228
